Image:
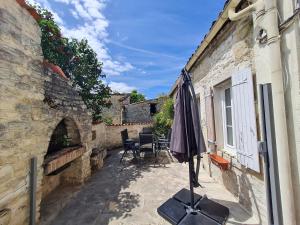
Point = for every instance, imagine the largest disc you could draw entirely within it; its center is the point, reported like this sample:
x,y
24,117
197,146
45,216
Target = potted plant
x,y
55,69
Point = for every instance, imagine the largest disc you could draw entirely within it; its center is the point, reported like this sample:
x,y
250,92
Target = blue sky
x,y
143,44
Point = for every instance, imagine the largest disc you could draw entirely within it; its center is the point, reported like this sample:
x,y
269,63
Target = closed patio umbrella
x,y
187,207
187,138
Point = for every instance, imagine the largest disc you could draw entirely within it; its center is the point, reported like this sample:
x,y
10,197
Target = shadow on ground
x,y
238,215
103,198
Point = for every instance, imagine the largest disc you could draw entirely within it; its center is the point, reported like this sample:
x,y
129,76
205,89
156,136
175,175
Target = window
x,y
227,120
234,118
153,109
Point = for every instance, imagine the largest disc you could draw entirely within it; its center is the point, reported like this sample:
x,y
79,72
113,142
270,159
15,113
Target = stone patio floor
x,y
129,194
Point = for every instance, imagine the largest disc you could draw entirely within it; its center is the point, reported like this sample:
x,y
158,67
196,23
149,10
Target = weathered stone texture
x,y
27,119
140,112
109,137
231,50
97,158
115,111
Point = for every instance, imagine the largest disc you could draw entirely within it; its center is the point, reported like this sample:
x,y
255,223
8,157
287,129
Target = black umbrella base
x,y
177,210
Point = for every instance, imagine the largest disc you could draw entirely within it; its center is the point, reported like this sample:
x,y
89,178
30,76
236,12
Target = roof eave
x,y
217,26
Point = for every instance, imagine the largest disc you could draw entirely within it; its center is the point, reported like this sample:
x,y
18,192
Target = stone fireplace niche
x,y
64,147
66,134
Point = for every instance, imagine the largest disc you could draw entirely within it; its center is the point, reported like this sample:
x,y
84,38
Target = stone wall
x,y
115,111
109,137
32,104
140,112
63,102
231,50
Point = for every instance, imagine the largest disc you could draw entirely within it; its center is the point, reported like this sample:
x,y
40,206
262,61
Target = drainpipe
x,y
268,45
282,145
234,16
33,181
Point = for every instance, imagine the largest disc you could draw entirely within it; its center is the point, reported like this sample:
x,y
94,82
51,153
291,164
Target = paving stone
x,y
130,194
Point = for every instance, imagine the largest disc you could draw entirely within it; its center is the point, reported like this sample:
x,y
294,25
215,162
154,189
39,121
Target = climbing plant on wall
x,y
78,61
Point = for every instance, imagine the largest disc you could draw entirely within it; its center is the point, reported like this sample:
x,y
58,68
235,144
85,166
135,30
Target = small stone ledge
x,y
68,155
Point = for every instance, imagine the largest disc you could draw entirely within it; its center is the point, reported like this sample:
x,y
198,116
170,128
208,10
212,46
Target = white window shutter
x,y
245,119
210,120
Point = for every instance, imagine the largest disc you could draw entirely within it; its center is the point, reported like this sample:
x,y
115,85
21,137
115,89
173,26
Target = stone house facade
x,y
141,112
42,117
232,50
227,70
115,111
122,111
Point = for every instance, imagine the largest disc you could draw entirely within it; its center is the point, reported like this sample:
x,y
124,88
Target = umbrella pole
x,y
191,181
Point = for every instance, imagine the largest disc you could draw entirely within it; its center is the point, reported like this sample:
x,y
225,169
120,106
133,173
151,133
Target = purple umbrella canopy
x,y
187,137
187,207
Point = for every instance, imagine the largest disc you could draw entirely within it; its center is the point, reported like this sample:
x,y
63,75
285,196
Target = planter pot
x,y
55,69
22,3
34,14
31,10
219,161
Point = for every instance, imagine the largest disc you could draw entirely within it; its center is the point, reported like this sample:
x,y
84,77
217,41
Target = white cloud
x,y
75,14
120,87
63,1
93,27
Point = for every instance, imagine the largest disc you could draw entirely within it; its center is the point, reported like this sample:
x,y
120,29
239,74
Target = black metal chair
x,y
147,130
128,144
164,142
146,142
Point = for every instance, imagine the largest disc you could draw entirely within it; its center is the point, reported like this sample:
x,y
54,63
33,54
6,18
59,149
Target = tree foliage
x,y
164,119
78,61
136,97
86,73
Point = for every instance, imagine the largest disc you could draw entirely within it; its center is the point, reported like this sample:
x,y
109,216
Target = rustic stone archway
x,y
64,151
66,162
66,134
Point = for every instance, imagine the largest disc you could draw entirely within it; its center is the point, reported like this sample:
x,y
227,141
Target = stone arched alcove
x,y
64,164
66,134
64,150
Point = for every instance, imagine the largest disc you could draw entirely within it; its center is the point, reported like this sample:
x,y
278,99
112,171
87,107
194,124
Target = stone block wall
x,y
231,50
33,102
109,137
115,111
140,112
137,112
22,94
